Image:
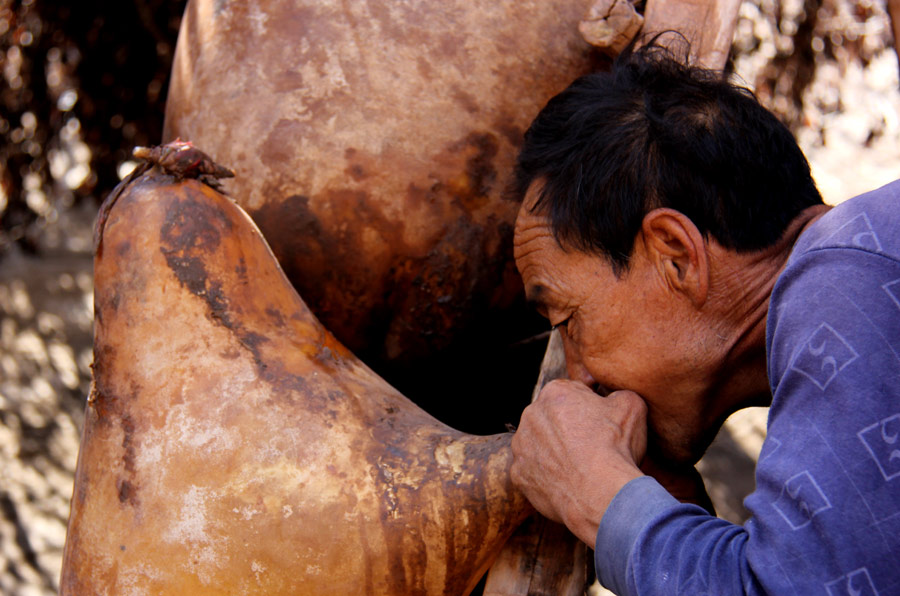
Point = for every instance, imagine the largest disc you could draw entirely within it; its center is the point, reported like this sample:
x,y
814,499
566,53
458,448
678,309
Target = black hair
x,y
657,132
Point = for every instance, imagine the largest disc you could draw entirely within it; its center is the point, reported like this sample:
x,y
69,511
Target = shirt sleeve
x,y
649,543
825,515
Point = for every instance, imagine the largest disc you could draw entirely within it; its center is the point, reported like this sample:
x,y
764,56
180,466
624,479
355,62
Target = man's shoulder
x,y
841,283
828,471
869,222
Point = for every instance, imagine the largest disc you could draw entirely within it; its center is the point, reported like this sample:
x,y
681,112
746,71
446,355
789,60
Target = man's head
x,y
649,192
656,133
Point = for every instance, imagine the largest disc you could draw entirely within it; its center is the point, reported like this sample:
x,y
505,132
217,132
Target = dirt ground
x,y
847,114
46,306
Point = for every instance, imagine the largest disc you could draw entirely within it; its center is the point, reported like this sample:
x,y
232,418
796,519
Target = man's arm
x,y
826,512
575,455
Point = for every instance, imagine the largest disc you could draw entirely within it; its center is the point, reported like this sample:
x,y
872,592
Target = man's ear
x,y
676,248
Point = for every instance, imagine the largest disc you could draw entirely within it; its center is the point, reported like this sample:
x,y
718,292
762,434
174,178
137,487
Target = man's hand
x,y
575,449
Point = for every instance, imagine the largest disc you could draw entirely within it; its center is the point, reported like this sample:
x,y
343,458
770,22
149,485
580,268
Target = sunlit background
x,y
83,82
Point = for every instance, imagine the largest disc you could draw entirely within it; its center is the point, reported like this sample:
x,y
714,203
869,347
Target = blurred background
x,y
83,83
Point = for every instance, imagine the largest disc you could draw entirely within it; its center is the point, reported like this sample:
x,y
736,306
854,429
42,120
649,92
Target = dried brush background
x,y
82,83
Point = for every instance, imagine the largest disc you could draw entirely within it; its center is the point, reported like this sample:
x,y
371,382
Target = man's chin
x,y
677,451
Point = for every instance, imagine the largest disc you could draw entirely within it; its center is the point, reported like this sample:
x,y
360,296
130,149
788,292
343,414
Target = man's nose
x,y
575,369
577,372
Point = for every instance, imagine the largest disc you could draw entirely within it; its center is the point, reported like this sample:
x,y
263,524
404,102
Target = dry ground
x,y
849,115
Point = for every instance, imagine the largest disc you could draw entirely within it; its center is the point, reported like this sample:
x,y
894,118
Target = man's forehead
x,y
538,258
531,224
533,238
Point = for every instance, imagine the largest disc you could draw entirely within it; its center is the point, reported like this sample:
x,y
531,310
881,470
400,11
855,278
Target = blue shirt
x,y
825,516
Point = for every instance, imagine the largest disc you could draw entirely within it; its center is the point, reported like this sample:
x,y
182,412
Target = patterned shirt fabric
x,y
825,516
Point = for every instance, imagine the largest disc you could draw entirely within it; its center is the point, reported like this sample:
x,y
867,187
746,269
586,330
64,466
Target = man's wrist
x,y
588,510
629,512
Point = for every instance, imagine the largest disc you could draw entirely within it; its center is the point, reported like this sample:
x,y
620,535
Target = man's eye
x,y
562,324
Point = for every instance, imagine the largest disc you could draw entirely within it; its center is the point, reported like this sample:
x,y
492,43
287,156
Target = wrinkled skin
x,y
232,445
657,356
372,143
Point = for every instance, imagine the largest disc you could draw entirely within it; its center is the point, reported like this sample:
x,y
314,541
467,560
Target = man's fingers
x,y
562,394
634,416
560,389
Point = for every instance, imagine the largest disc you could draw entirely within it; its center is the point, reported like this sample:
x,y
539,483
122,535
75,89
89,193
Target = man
x,y
671,231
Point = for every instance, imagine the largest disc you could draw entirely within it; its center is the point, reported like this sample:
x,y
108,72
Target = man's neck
x,y
745,283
